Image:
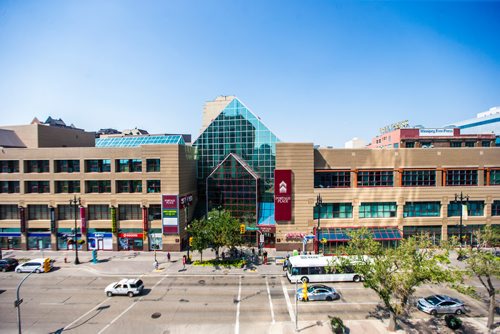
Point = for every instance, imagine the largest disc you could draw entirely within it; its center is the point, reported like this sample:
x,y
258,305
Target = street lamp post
x,y
76,202
319,204
461,199
187,229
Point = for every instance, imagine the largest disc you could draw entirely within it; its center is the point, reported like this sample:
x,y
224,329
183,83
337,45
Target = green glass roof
x,y
138,141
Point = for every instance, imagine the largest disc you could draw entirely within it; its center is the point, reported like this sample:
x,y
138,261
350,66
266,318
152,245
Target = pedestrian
x,y
184,262
156,264
168,256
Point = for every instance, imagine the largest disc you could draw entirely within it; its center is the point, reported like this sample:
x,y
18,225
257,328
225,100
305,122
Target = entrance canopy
x,y
378,233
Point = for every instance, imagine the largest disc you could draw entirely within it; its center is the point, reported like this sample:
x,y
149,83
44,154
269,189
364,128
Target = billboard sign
x,y
170,214
435,132
283,194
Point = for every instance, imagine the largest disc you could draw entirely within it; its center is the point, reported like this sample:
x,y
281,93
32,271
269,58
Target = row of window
x,y
68,212
410,209
484,143
409,178
70,187
73,166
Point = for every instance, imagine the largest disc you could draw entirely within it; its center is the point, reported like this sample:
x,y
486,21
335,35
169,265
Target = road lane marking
x,y
128,308
237,324
270,301
288,303
92,309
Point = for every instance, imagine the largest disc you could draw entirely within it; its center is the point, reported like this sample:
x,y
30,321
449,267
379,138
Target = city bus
x,y
319,268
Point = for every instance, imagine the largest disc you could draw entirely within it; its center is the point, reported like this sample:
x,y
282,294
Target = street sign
x,y
261,238
18,302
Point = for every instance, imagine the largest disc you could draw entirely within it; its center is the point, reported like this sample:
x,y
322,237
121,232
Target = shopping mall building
x,y
140,192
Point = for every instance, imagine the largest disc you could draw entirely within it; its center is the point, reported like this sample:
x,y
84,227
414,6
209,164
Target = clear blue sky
x,y
314,71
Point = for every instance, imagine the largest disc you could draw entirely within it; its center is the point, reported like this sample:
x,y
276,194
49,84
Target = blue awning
x,y
378,233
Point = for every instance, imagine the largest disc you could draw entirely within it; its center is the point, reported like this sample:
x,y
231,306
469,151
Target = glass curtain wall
x,y
237,130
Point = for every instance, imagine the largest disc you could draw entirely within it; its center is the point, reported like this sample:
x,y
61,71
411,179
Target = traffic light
x,y
242,229
190,241
46,265
305,296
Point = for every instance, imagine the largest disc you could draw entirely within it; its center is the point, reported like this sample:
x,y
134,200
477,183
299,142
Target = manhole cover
x,y
156,315
201,282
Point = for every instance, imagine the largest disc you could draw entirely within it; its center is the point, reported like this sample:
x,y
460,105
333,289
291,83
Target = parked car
x,y
8,264
440,304
318,292
126,286
36,265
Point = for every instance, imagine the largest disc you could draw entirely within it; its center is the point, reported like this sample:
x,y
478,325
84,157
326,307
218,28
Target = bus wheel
x,y
304,280
356,278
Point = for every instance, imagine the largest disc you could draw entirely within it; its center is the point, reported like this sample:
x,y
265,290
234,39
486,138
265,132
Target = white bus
x,y
318,268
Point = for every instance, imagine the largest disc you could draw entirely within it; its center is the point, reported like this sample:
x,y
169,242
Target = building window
x,y
8,212
33,187
495,208
129,186
67,166
67,187
485,143
474,208
494,177
382,178
38,212
410,144
129,212
341,179
422,209
334,210
469,144
154,186
377,210
37,166
99,212
456,144
98,166
461,177
154,212
419,178
9,187
152,165
128,165
433,232
67,212
9,166
97,186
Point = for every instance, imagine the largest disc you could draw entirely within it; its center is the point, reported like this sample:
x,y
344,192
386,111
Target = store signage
x,y
394,126
113,220
170,214
185,201
83,220
267,228
283,194
295,236
23,219
435,132
52,220
130,235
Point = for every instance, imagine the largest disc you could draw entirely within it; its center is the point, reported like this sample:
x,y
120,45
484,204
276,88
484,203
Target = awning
x,y
378,233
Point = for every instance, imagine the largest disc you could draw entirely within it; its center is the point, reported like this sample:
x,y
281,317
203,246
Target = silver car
x,y
440,304
318,292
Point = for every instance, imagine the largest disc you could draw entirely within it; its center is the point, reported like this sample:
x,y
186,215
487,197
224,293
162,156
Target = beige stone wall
x,y
37,135
212,109
303,159
175,164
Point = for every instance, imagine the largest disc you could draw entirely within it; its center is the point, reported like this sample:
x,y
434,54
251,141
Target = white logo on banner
x,y
282,187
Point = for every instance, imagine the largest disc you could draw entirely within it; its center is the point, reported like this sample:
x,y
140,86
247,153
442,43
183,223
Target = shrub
x,y
452,321
337,325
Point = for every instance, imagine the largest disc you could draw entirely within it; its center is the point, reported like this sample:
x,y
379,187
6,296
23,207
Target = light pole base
x,y
77,261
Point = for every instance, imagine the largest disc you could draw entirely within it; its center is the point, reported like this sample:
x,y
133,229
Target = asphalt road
x,y
65,299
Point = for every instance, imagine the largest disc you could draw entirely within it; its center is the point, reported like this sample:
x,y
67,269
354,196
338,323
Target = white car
x,y
126,286
36,265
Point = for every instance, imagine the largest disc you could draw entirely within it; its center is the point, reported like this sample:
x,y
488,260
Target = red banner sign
x,y
130,235
282,194
185,201
83,220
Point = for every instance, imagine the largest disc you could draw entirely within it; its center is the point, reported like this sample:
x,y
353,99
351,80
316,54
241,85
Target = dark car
x,y
8,264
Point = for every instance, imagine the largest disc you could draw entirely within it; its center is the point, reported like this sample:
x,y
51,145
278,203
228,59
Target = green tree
x,y
395,273
199,232
482,263
223,230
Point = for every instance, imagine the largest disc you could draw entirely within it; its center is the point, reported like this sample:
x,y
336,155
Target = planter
x,y
453,322
337,325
